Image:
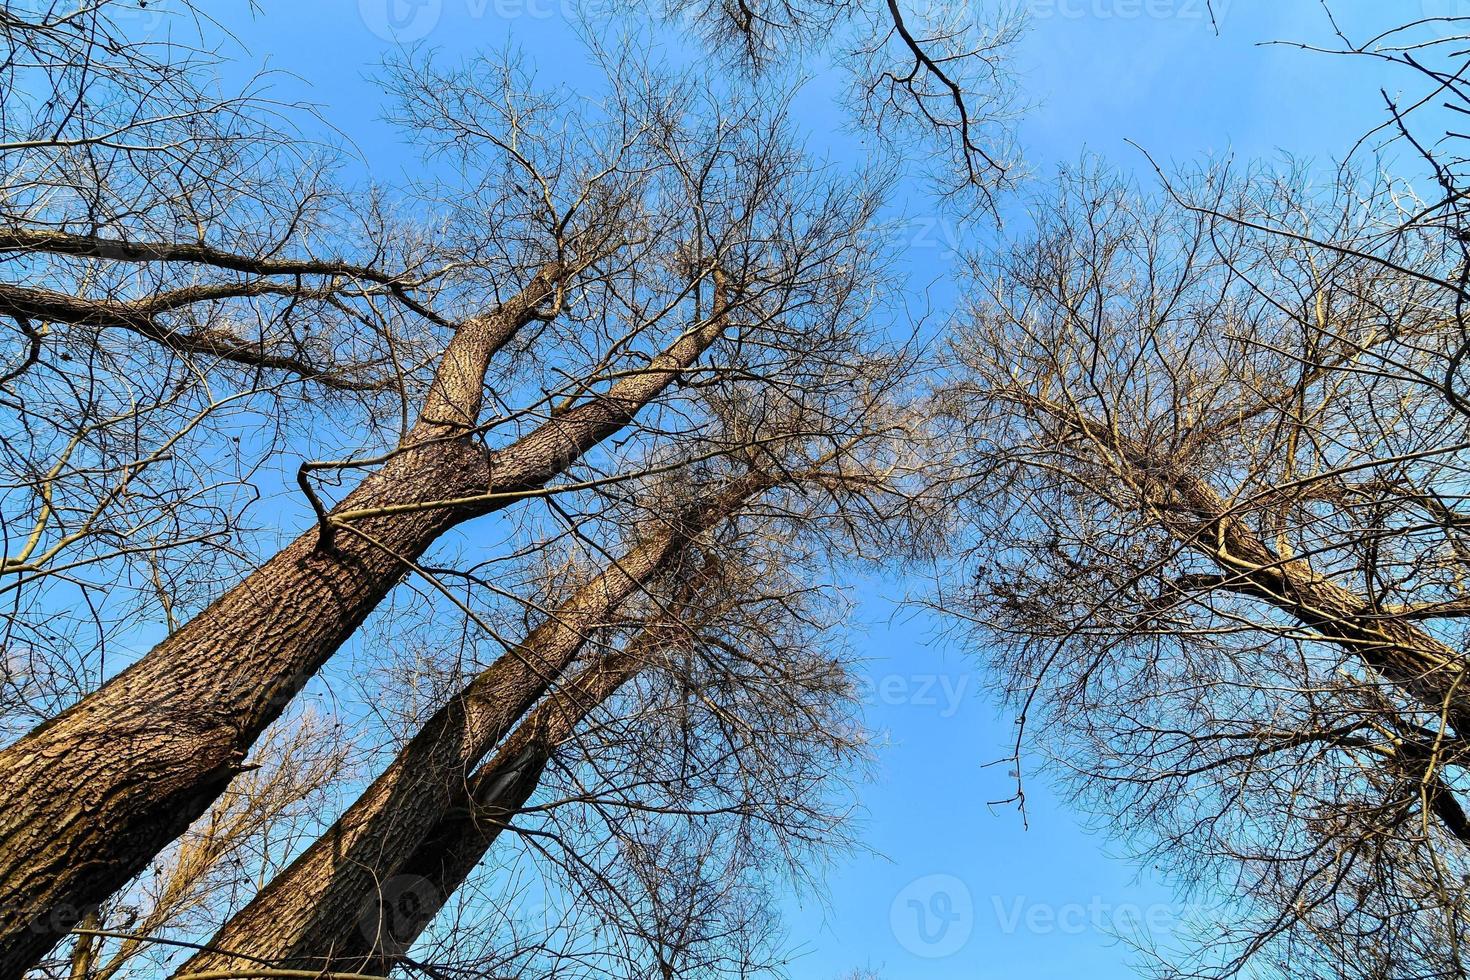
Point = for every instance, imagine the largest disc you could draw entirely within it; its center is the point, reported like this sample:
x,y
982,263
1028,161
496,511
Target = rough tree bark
x,y
310,915
87,799
486,804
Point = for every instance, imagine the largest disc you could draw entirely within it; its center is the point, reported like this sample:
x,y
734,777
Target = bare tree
x,y
245,837
430,830
1225,481
252,406
670,229
303,918
671,810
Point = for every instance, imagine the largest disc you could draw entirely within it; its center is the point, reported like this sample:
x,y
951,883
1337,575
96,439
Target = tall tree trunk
x,y
87,799
310,916
495,793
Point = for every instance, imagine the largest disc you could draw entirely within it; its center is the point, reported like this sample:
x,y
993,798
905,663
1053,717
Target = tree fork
x,y
88,798
309,916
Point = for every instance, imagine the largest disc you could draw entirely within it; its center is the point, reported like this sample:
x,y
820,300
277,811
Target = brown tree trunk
x,y
393,921
1425,669
87,799
310,916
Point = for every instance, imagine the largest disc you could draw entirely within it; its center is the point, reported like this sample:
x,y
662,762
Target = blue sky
x,y
952,888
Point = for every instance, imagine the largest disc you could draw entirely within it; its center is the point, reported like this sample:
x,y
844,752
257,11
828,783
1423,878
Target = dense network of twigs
x,y
444,579
1213,443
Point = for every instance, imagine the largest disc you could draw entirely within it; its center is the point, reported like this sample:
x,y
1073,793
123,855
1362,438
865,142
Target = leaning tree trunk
x,y
393,920
312,913
1425,669
87,799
